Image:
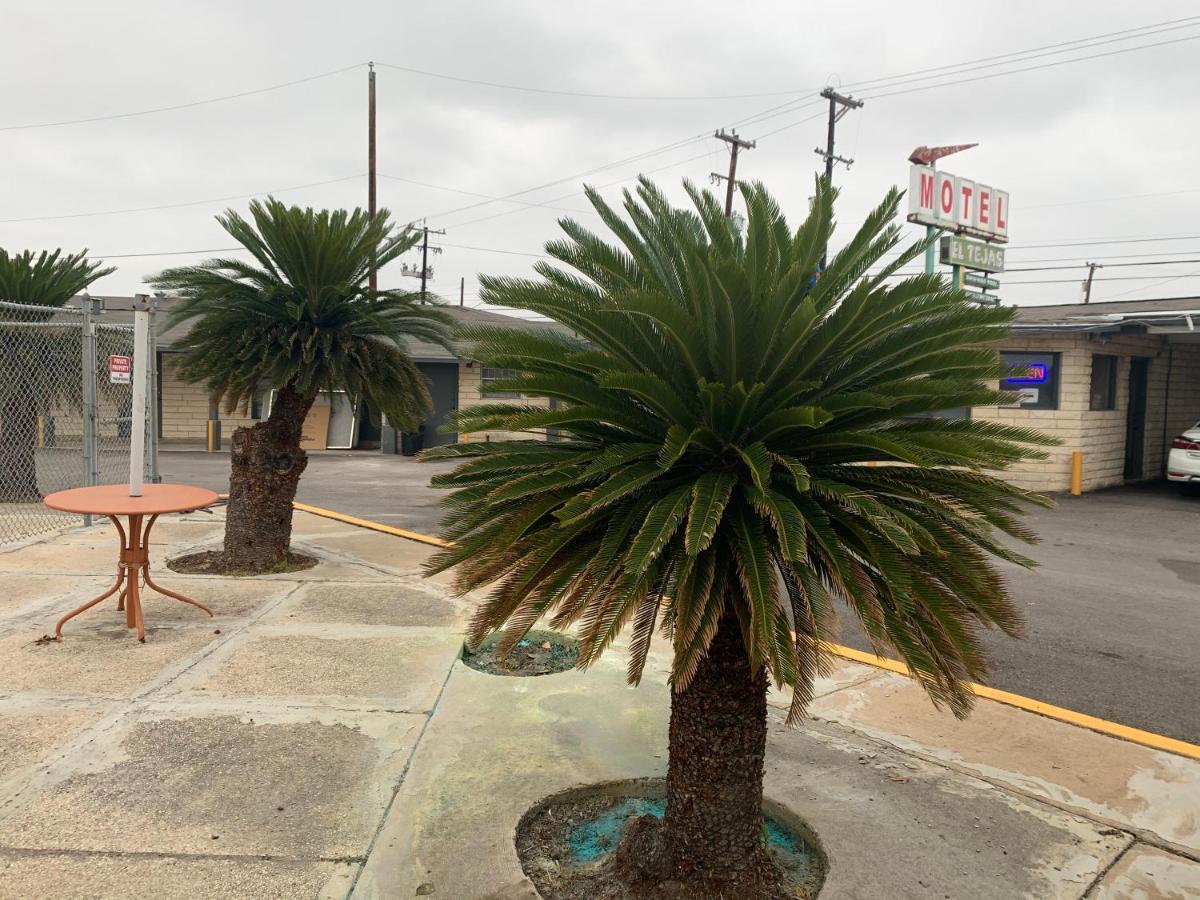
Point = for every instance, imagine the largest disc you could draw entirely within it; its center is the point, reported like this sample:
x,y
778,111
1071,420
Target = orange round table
x,y
113,500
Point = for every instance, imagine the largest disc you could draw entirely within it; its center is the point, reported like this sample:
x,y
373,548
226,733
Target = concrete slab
x,y
408,603
1147,873
90,551
897,827
494,748
1126,784
395,555
228,598
96,660
28,735
397,670
220,784
20,591
88,876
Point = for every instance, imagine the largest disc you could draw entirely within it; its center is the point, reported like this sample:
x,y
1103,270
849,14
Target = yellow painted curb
x,y
373,526
1082,720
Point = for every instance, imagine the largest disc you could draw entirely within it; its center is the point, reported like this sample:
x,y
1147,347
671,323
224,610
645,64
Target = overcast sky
x,y
1074,144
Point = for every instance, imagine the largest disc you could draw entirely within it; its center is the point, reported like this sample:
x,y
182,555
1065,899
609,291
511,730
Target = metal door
x,y
443,388
1135,421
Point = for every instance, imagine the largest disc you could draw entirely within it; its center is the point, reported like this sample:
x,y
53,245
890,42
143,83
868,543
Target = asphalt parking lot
x,y
1112,611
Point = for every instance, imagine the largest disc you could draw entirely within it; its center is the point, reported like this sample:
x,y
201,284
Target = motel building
x,y
1114,382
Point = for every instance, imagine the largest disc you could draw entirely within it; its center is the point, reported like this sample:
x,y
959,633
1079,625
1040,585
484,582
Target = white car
x,y
1183,463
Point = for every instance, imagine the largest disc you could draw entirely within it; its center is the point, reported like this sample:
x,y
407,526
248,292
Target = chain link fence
x,y
65,409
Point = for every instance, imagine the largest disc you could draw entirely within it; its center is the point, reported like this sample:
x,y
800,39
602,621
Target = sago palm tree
x,y
743,444
300,318
36,364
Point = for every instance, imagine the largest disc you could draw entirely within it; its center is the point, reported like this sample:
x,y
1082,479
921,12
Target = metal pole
x,y
930,232
87,358
462,287
153,394
373,281
137,425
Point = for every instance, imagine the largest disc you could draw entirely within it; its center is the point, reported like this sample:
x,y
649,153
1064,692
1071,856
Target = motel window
x,y
1104,381
487,376
1033,377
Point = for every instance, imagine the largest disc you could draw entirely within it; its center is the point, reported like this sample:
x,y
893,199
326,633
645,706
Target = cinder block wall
x,y
470,394
185,407
1100,434
1064,423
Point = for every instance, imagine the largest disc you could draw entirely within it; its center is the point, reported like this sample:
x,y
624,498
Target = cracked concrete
x,y
319,739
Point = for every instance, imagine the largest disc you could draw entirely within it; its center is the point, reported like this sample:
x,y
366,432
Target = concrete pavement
x,y
319,738
1113,611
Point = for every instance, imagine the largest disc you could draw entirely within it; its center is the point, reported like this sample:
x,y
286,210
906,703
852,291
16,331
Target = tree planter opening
x,y
540,652
215,562
568,843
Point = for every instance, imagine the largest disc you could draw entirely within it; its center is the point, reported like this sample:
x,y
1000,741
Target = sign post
x,y
137,425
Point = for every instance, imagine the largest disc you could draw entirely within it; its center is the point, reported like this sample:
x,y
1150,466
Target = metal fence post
x,y
152,395
87,344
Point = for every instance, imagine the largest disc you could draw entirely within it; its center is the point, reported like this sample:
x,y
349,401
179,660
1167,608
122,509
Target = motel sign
x,y
957,204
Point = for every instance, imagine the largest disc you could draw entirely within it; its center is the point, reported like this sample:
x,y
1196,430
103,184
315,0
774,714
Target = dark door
x,y
1135,421
443,388
368,431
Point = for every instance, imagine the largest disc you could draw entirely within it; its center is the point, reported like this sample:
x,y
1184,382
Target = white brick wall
x,y
1100,434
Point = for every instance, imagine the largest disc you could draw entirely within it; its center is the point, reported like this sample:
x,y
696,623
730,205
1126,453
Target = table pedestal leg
x,y
134,559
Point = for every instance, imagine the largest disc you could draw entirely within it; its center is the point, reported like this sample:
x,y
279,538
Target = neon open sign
x,y
1030,373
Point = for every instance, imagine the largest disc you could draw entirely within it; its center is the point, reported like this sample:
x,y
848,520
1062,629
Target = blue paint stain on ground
x,y
591,841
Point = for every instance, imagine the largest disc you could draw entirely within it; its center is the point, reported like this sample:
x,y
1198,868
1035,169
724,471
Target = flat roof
x,y
1163,315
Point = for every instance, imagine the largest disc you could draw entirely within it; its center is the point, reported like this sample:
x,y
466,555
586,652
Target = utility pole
x,y
839,105
425,251
1087,285
374,277
735,144
462,288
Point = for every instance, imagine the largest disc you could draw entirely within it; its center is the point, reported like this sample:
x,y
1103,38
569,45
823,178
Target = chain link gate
x,y
65,414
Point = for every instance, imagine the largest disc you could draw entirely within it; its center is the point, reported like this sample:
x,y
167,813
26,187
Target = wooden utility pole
x,y
839,105
425,248
374,277
1087,285
735,144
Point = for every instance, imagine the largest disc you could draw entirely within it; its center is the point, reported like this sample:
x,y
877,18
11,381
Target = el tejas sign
x,y
957,204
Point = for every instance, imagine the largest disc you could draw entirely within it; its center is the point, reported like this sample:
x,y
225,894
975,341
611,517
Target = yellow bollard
x,y
1077,473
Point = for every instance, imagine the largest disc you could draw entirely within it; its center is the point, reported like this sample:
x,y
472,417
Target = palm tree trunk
x,y
18,449
267,463
712,837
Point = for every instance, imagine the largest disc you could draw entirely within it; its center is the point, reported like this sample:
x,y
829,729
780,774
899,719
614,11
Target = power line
x,y
1029,53
1061,62
177,106
442,187
585,94
136,209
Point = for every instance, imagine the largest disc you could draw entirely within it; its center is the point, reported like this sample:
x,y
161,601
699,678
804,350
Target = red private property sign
x,y
120,369
957,204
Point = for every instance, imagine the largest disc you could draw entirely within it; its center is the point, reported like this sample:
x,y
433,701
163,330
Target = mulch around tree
x,y
213,562
567,846
540,652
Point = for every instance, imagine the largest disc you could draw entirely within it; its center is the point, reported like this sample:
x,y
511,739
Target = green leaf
x,y
709,497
